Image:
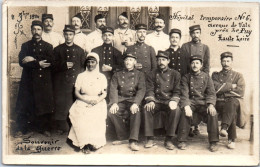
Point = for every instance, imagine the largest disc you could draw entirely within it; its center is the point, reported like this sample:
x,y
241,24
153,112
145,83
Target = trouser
x,y
228,112
199,113
123,118
172,119
62,125
44,122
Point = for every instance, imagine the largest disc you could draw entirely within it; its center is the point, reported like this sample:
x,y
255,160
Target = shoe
x,y
191,134
213,147
59,132
196,131
223,133
18,134
168,144
47,133
231,144
119,142
86,150
133,146
149,144
182,145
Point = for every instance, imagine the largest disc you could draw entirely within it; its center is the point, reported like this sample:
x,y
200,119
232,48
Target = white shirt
x,y
53,38
94,39
122,35
80,39
158,41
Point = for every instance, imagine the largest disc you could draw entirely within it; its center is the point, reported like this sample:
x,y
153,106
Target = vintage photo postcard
x,y
130,83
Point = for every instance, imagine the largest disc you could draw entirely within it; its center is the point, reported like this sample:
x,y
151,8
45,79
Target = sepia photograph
x,y
130,83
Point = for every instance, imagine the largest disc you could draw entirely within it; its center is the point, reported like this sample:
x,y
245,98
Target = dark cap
x,y
108,29
70,28
175,30
196,57
226,54
37,23
159,17
140,26
78,15
194,27
124,14
47,16
99,16
129,55
163,54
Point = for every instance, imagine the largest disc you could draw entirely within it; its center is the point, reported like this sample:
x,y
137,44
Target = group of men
x,y
149,77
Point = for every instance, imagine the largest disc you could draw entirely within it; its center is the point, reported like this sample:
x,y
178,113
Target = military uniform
x,y
94,39
122,36
158,41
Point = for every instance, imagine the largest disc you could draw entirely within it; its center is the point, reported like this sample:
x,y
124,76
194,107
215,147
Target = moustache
x,y
124,23
36,34
158,26
48,25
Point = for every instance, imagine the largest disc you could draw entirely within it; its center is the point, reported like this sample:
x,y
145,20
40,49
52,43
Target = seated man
x,y
162,94
230,87
127,90
198,98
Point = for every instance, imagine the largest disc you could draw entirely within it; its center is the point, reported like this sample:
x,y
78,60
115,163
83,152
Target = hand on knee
x,y
173,105
211,110
149,106
114,108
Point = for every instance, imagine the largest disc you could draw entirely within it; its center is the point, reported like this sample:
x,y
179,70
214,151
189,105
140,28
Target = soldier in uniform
x,y
127,91
124,36
48,35
198,99
158,39
94,39
146,60
179,59
162,95
35,97
230,88
69,62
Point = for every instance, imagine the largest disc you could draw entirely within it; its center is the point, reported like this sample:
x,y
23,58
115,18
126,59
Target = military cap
x,y
129,55
99,16
226,54
47,16
196,57
140,26
37,23
124,14
108,29
194,27
175,30
78,15
163,54
70,28
159,17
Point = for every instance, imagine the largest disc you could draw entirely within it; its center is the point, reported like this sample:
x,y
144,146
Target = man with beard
x,y
35,97
230,88
198,99
80,38
69,62
48,35
162,95
127,90
158,39
179,59
124,36
146,60
94,39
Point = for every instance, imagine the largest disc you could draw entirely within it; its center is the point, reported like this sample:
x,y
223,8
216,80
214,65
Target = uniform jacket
x,y
223,81
158,41
35,91
127,86
121,35
192,48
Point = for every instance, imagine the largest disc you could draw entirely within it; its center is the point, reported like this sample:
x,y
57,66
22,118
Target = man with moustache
x,y
198,99
124,36
94,39
35,96
146,60
127,91
162,95
230,88
48,35
158,39
179,59
68,63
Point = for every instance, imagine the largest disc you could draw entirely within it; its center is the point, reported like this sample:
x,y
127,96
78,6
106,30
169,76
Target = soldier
x,y
158,39
179,59
80,38
69,62
48,35
198,98
230,88
162,95
124,36
35,97
127,90
94,39
146,60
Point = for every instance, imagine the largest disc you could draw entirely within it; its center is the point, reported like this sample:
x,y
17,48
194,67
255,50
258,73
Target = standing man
x,y
179,59
198,98
35,97
69,62
48,35
162,95
158,39
124,36
127,90
94,39
230,88
146,60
